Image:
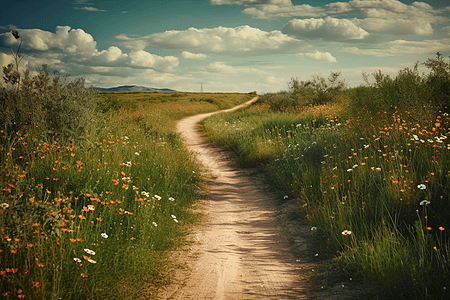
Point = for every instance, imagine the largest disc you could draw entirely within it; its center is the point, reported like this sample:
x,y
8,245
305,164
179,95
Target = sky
x,y
223,45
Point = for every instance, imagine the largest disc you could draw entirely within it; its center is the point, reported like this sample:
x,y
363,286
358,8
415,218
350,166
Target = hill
x,y
133,88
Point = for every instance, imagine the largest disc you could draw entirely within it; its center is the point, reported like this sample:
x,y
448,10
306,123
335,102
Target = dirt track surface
x,y
251,244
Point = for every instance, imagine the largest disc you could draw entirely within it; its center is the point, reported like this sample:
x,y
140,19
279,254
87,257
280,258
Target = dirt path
x,y
251,245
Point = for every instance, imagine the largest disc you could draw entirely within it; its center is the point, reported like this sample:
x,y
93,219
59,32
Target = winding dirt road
x,y
252,243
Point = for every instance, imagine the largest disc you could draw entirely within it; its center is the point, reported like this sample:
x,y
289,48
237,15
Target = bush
x,y
44,101
316,91
438,82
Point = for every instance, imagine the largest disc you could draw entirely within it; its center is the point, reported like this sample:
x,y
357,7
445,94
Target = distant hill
x,y
133,88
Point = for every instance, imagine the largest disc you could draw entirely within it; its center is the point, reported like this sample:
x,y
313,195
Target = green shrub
x,y
48,102
316,91
43,102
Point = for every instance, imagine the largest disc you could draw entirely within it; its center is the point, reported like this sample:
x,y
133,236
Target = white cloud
x,y
446,30
238,41
219,67
327,29
112,54
196,56
143,59
369,52
383,16
422,47
130,43
75,52
250,2
319,56
64,39
396,26
89,8
397,47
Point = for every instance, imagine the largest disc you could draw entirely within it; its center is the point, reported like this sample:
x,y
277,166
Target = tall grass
x,y
370,173
91,213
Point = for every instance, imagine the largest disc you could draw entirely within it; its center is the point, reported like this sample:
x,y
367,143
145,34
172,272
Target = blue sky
x,y
226,45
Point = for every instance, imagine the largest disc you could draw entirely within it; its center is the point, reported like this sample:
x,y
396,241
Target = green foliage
x,y
408,91
44,101
438,81
316,91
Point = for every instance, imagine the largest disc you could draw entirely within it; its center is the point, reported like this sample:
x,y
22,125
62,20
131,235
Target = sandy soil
x,y
252,243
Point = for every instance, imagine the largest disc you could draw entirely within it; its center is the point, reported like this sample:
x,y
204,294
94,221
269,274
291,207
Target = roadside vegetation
x,y
369,167
96,188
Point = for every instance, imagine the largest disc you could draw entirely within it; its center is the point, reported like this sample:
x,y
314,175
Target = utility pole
x,y
201,87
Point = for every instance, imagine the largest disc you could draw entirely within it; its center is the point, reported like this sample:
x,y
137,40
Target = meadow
x,y
369,167
96,188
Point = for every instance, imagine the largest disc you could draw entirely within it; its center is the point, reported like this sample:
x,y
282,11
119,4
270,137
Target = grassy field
x,y
370,169
92,213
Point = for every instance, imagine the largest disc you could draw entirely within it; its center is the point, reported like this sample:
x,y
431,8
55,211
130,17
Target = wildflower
x,y
313,228
146,194
422,186
83,275
378,169
104,235
441,228
76,259
137,153
4,205
355,166
154,224
349,170
424,202
346,232
40,265
91,207
173,216
92,261
89,251
36,284
175,220
285,197
157,197
171,199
